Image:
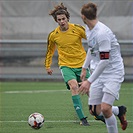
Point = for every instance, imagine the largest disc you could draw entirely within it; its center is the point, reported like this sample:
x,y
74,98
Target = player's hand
x,y
83,74
49,71
84,88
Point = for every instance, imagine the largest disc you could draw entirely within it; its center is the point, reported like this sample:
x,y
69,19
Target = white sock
x,y
115,110
111,124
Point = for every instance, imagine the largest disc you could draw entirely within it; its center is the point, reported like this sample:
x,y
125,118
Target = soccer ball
x,y
36,120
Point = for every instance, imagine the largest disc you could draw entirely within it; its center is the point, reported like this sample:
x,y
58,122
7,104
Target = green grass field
x,y
19,99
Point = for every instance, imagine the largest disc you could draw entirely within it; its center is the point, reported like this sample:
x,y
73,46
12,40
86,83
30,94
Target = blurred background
x,y
25,25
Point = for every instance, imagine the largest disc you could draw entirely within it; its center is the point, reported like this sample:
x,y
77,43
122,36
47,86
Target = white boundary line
x,y
34,91
59,121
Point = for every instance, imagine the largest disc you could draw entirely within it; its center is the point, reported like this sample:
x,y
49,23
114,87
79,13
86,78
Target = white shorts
x,y
99,88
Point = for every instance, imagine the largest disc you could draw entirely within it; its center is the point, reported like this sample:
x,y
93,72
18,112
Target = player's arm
x,y
104,51
86,64
87,59
49,54
100,67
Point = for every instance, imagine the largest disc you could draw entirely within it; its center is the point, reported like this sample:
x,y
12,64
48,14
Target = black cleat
x,y
84,122
100,118
122,117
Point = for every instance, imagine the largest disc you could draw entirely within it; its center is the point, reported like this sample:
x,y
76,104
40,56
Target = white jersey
x,y
101,39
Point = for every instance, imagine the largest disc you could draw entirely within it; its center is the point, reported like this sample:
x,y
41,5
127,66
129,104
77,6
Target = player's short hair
x,y
58,10
89,11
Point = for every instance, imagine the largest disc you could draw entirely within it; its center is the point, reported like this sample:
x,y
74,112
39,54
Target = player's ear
x,y
85,18
82,16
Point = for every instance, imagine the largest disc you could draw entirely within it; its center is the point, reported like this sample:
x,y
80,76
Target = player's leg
x,y
72,84
77,72
96,96
119,111
94,101
106,109
77,101
95,110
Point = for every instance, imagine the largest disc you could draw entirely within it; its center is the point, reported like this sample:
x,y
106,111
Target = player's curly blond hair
x,y
58,10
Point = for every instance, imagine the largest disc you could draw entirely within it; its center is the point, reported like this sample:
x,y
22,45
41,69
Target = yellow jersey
x,y
69,46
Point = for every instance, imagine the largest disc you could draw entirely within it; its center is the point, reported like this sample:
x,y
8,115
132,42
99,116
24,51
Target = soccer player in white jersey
x,y
106,64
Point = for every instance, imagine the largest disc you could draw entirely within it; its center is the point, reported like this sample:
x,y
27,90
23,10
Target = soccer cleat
x,y
84,122
122,117
99,118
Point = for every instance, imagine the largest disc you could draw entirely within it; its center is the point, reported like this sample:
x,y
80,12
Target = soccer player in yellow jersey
x,y
67,39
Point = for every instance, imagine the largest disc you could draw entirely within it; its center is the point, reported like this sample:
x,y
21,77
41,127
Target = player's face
x,y
62,21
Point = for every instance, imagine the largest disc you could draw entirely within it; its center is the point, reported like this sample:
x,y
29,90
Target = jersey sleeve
x,y
50,51
81,30
99,69
104,43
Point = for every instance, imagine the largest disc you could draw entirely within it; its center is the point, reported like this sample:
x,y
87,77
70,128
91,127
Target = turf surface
x,y
19,99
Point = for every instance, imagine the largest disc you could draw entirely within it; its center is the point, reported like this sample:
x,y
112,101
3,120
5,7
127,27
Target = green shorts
x,y
72,73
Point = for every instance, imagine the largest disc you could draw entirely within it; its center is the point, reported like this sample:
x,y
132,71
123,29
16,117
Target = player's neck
x,y
64,28
91,24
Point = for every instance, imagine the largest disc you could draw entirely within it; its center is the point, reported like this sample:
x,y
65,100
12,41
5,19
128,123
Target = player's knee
x,y
74,87
73,84
106,109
